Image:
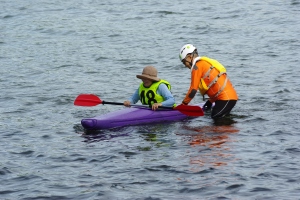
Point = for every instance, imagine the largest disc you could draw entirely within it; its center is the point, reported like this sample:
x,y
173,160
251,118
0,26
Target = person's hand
x,y
127,103
207,105
155,106
183,103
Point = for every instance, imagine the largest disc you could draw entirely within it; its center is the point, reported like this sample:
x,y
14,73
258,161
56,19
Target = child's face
x,y
147,82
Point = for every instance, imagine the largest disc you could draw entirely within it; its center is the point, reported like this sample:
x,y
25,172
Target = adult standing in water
x,y
210,77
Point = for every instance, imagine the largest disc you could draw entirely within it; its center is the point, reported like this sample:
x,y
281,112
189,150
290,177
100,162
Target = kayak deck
x,y
132,116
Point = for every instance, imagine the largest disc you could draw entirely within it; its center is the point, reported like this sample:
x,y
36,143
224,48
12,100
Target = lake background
x,y
52,51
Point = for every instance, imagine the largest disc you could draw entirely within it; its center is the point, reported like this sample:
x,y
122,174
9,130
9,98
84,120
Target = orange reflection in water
x,y
213,139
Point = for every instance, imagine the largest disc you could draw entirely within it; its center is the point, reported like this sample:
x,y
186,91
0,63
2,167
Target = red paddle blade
x,y
87,100
194,111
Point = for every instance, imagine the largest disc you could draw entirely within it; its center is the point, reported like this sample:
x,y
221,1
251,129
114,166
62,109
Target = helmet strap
x,y
191,63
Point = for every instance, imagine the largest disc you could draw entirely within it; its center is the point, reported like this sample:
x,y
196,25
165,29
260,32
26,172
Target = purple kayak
x,y
132,116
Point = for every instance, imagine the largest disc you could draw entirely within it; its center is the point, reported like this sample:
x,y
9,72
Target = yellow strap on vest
x,y
202,87
222,88
214,64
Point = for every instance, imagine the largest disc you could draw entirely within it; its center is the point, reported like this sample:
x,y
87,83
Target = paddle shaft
x,y
142,106
93,100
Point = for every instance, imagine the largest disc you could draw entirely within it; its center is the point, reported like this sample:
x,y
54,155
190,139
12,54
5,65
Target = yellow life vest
x,y
214,64
149,96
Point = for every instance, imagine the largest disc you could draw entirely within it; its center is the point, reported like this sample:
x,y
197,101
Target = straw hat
x,y
149,72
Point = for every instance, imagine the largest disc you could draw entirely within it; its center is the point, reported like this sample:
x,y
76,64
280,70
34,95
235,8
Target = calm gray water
x,y
52,51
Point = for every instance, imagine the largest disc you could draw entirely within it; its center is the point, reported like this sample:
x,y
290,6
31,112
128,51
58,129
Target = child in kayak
x,y
153,91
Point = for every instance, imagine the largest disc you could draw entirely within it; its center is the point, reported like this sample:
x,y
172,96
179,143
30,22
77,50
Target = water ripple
x,y
51,51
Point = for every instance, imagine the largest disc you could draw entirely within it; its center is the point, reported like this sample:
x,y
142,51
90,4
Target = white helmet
x,y
185,50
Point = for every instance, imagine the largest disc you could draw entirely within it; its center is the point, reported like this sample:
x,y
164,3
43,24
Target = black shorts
x,y
222,108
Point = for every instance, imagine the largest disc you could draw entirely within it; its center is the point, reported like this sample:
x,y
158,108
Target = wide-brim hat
x,y
149,72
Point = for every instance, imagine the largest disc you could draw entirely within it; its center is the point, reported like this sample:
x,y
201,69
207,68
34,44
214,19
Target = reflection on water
x,y
211,143
91,136
152,134
224,121
227,120
102,136
154,140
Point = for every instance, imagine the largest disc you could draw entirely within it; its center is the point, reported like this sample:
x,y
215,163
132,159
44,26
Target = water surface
x,y
52,51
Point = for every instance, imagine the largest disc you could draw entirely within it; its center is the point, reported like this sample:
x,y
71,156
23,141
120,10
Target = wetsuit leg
x,y
222,108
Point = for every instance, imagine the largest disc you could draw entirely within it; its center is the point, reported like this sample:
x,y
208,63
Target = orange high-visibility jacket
x,y
198,71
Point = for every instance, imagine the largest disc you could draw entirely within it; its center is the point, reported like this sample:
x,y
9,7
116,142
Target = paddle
x,y
93,100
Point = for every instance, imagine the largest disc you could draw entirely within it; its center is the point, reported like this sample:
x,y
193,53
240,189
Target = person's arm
x,y
195,81
133,99
169,100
